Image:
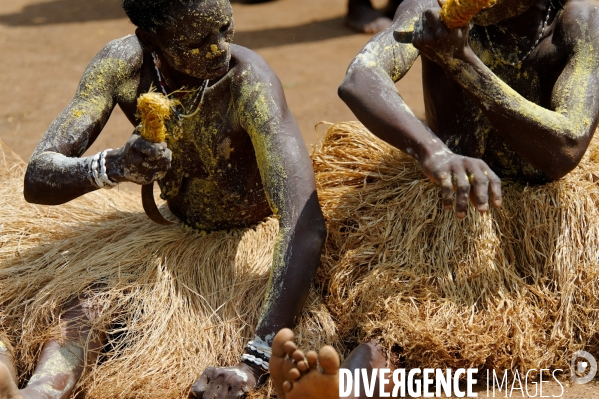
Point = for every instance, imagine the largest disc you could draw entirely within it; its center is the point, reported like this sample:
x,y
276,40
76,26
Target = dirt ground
x,y
46,44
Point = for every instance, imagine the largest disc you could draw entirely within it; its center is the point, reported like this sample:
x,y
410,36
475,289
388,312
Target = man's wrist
x,y
434,147
113,167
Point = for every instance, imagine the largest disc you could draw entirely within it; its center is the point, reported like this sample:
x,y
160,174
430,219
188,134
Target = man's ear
x,y
147,39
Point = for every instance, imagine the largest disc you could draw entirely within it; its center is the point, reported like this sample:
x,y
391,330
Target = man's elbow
x,y
556,172
568,161
348,89
320,230
35,191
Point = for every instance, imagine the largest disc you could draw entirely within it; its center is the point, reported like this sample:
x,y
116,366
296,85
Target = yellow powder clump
x,y
154,108
458,13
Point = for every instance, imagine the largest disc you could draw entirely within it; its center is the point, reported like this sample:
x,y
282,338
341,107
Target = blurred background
x,y
45,46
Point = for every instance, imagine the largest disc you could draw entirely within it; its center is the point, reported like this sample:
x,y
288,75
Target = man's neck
x,y
175,80
524,28
527,23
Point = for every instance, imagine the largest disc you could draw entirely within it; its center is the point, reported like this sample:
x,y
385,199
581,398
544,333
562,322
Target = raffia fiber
x,y
172,301
517,288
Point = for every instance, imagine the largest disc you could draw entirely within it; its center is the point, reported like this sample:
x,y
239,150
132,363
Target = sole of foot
x,y
296,376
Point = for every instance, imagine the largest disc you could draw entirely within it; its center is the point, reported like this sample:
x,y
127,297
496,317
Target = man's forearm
x,y
295,260
53,178
523,124
377,104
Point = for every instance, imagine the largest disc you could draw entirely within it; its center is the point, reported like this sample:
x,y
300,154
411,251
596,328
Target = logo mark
x,y
589,365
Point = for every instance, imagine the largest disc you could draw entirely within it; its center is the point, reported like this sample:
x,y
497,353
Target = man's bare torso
x,y
458,120
214,181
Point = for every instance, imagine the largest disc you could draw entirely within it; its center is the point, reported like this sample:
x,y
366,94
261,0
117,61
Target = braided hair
x,y
150,15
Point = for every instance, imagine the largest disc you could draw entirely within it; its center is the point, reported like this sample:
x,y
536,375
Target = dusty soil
x,y
46,44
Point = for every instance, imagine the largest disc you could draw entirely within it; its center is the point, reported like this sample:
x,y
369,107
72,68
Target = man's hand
x,y
438,43
225,382
468,177
138,161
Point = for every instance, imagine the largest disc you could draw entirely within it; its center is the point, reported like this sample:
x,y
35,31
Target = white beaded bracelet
x,y
256,360
103,175
260,348
97,168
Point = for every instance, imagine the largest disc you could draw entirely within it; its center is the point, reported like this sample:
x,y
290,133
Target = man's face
x,y
503,9
197,43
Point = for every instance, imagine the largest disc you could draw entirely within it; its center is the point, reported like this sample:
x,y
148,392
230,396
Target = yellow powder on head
x,y
154,108
458,13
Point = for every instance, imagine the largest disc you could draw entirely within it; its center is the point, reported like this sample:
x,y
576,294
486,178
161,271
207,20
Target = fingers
x,y
432,18
222,383
468,178
200,385
447,191
152,150
494,188
462,190
480,189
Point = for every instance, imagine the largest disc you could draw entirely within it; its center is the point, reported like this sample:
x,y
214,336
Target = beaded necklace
x,y
501,59
199,94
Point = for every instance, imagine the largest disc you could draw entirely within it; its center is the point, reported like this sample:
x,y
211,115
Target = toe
x,y
290,348
300,360
298,356
278,344
287,385
329,360
312,359
294,374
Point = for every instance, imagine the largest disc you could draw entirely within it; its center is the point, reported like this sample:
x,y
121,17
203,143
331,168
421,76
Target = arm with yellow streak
x,y
556,137
57,172
290,187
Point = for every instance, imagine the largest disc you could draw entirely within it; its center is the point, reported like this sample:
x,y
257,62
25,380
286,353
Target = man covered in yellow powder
x,y
514,95
240,159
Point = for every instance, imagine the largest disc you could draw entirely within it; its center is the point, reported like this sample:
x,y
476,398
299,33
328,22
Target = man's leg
x,y
61,364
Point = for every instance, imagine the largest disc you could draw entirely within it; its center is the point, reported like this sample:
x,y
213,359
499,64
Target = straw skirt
x,y
170,301
516,288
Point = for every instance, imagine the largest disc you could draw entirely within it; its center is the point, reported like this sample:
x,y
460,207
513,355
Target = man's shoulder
x,y
580,20
250,65
125,52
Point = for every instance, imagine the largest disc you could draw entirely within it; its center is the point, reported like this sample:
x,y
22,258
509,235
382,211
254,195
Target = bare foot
x,y
296,376
8,386
362,17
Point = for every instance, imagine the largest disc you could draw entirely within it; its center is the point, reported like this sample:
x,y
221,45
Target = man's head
x,y
193,36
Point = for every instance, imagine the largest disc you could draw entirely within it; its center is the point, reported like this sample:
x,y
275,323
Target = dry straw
x,y
517,288
172,301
